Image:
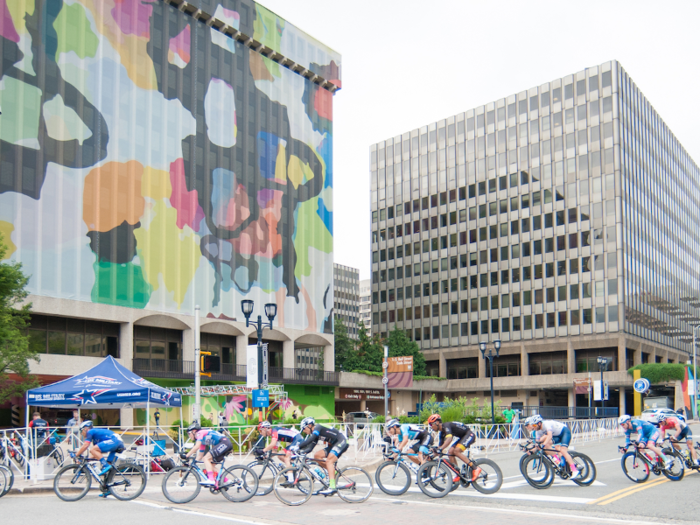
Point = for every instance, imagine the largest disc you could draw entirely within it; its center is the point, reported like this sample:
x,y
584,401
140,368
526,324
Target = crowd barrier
x,y
35,457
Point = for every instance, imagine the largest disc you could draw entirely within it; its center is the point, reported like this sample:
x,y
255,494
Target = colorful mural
x,y
147,160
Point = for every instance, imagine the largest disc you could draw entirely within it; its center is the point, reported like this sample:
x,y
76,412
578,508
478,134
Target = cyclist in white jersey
x,y
553,433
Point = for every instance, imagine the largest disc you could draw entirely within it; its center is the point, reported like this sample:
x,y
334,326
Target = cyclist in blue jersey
x,y
649,437
103,441
278,435
404,433
218,444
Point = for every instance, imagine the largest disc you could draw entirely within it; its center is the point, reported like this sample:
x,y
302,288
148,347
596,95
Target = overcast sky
x,y
408,63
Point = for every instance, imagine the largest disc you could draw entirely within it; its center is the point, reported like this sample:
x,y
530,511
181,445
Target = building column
x,y
482,367
188,345
637,358
241,349
524,364
621,356
623,406
572,398
570,361
288,360
443,365
328,358
363,405
126,345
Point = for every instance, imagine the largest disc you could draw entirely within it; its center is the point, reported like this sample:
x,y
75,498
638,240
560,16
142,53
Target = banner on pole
x,y
252,366
582,386
400,371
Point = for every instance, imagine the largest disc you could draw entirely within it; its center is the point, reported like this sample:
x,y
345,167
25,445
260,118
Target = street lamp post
x,y
602,364
695,376
490,356
270,311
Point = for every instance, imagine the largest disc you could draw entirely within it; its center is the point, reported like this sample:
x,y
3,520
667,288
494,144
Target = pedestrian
x,y
295,415
156,416
222,421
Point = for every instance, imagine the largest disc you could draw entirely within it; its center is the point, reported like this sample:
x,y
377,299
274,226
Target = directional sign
x,y
385,380
261,398
642,385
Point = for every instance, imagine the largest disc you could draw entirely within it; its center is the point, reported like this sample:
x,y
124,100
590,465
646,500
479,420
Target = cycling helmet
x,y
435,418
535,419
86,424
306,422
194,426
264,424
392,423
624,419
661,417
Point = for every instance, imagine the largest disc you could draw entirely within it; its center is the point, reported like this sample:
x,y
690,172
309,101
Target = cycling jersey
x,y
41,426
284,434
423,440
455,429
99,435
549,425
208,437
670,423
410,431
645,430
321,433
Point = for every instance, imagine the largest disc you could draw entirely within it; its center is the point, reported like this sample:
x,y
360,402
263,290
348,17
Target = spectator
x,y
295,414
40,425
222,421
156,416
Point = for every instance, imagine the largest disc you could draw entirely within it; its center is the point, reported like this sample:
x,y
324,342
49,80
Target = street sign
x,y
385,364
385,380
261,398
265,366
642,385
252,368
596,391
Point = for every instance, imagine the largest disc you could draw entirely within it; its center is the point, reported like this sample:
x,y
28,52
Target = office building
x,y
158,156
346,296
560,220
366,304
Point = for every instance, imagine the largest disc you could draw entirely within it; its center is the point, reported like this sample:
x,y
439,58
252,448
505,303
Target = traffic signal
x,y
210,364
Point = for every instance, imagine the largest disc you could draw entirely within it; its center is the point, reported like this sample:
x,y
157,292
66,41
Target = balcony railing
x,y
169,369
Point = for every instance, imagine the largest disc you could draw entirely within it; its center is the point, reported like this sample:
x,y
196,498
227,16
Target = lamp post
x,y
602,364
270,311
490,356
695,376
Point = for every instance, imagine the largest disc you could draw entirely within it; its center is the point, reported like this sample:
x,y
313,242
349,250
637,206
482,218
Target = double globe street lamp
x,y
490,356
602,365
247,306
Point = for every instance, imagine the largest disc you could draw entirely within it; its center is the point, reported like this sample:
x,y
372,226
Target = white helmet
x,y
623,419
307,421
392,423
535,419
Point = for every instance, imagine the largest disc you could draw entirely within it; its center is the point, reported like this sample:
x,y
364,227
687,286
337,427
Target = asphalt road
x,y
612,499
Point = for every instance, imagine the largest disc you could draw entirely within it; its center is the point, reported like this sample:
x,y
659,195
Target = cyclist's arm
x,y
83,447
403,443
312,438
195,449
447,442
273,444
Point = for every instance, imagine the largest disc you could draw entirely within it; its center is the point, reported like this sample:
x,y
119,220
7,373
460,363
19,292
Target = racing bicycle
x,y
538,468
394,476
124,482
436,482
638,464
182,484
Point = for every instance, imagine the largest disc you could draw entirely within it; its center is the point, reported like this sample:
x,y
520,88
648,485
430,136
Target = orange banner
x,y
400,364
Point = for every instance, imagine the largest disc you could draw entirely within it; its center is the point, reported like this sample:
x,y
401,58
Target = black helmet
x,y
194,426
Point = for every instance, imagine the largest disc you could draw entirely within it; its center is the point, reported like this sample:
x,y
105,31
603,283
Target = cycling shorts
x,y
419,447
337,448
686,434
654,437
221,449
293,445
464,442
564,438
110,445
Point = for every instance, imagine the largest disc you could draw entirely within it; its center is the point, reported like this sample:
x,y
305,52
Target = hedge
x,y
660,372
381,374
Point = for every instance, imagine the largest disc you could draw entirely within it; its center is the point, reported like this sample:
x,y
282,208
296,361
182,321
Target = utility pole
x,y
197,390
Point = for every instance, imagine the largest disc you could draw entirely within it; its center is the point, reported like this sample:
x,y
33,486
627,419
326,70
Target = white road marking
x,y
511,496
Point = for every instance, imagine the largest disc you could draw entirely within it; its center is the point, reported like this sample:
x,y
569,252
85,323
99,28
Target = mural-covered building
x,y
158,155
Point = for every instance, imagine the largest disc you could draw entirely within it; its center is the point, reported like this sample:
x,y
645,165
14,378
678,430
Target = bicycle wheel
x,y
181,485
240,483
586,467
354,485
490,478
57,454
4,481
9,479
677,470
299,491
72,482
393,478
538,472
635,468
266,476
126,482
435,481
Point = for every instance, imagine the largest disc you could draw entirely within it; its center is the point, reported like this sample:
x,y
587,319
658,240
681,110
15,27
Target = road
x,y
612,499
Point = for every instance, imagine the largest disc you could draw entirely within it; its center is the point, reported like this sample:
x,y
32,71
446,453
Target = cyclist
x,y
456,437
102,441
336,444
280,435
668,422
649,437
553,433
219,446
404,433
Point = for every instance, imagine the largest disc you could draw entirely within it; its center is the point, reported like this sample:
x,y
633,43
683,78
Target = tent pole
x,y
148,434
26,425
179,431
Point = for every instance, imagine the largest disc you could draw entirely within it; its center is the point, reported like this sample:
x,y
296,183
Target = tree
x,y
344,346
14,344
400,345
368,355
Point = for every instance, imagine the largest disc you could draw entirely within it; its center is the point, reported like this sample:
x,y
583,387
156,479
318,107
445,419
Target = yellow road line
x,y
614,496
621,491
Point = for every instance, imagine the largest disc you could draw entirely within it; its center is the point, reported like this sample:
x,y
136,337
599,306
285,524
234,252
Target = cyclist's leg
x,y
413,450
333,456
652,443
321,455
209,465
563,440
95,452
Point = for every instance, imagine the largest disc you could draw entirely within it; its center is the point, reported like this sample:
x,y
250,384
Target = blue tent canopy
x,y
107,385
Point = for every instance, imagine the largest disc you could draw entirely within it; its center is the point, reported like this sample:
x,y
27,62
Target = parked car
x,y
360,418
651,415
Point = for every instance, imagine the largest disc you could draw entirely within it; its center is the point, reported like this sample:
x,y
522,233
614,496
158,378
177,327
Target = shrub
x,y
660,372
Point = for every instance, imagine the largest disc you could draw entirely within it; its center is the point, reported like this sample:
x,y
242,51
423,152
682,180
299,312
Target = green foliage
x,y
660,372
15,352
400,345
344,346
461,409
404,419
380,374
367,355
379,419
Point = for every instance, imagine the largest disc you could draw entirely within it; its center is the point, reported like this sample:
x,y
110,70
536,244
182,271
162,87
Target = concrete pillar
x,y
621,356
241,349
443,365
570,361
637,356
524,364
126,345
623,406
288,360
572,398
363,405
482,367
126,417
329,358
188,345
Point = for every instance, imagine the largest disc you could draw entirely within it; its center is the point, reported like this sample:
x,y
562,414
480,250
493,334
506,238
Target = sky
x,y
407,63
